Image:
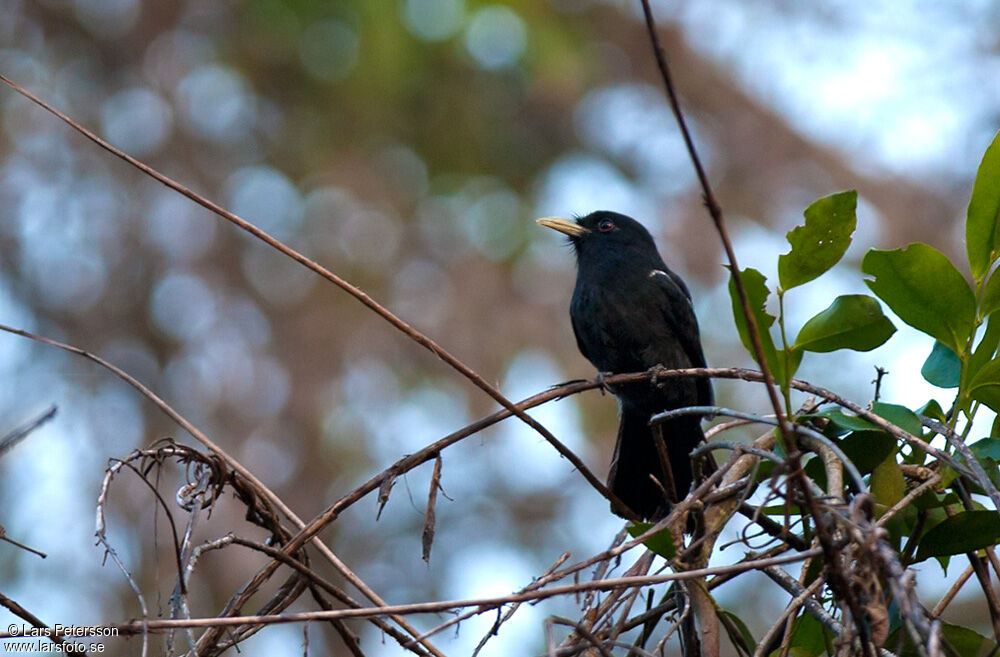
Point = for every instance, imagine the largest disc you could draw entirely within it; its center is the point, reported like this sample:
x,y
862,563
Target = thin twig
x,y
792,608
715,211
22,613
583,632
19,434
908,499
956,441
952,592
507,614
611,584
356,292
229,460
18,544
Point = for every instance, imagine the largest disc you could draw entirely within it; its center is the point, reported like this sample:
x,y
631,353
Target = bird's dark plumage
x,y
631,313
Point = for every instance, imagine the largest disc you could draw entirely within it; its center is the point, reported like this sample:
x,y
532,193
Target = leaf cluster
x,y
929,293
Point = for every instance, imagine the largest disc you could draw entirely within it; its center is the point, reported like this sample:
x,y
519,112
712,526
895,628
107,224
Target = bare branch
x,y
22,613
611,584
354,291
19,434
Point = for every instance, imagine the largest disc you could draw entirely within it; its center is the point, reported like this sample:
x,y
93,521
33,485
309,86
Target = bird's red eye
x,y
605,225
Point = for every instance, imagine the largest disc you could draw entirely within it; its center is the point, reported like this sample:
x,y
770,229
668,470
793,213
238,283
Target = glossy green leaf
x,y
852,321
986,448
901,416
865,449
841,422
985,385
985,350
739,634
921,285
965,532
982,224
987,452
821,242
990,302
942,367
661,543
754,283
933,410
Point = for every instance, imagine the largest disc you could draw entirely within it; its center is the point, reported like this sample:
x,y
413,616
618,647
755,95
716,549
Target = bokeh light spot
x,y
496,37
581,183
266,198
136,120
179,228
182,305
108,18
433,20
216,102
329,50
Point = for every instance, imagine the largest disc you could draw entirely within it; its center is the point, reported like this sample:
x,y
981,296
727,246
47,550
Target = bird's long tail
x,y
636,463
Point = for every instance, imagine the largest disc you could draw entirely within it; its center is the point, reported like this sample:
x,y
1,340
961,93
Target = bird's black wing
x,y
678,311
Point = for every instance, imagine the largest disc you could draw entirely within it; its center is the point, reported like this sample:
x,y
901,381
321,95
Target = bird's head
x,y
604,232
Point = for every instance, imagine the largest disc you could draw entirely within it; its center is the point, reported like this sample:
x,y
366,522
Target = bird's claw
x,y
602,384
654,374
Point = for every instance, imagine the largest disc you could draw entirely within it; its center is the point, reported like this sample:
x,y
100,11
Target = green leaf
x,y
982,224
781,509
942,367
921,285
853,321
809,637
661,543
986,448
933,410
985,385
965,532
901,525
964,641
739,634
866,449
931,500
754,283
821,242
901,416
990,303
887,484
987,452
842,422
983,353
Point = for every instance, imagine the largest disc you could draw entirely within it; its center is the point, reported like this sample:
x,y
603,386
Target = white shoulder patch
x,y
665,277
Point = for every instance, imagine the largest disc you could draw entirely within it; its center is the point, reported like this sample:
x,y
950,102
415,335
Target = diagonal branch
x,y
356,292
715,211
231,462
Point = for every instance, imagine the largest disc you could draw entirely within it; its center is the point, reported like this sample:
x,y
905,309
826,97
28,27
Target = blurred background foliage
x,y
407,145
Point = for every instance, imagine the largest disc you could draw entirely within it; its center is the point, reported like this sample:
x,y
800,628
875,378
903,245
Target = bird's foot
x,y
654,376
602,384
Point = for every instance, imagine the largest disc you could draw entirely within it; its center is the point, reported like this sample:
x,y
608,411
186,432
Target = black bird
x,y
631,313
